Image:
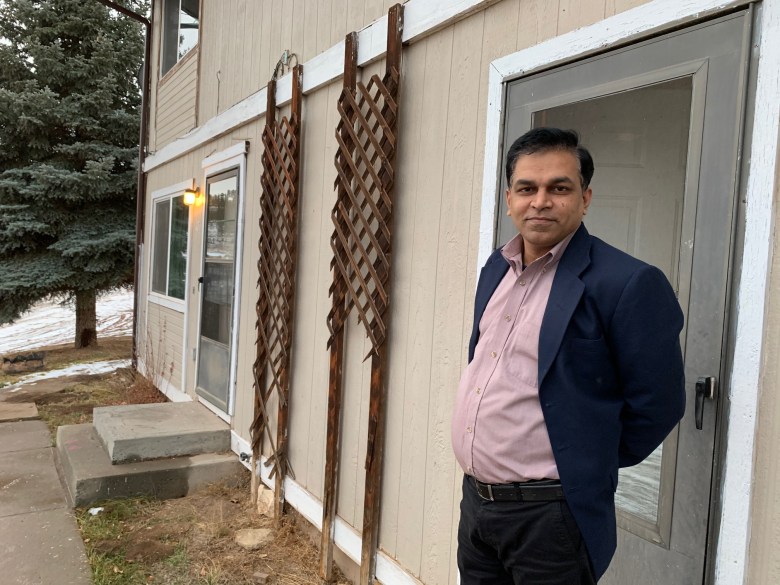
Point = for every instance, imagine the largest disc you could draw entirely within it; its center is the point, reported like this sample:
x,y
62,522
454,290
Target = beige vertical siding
x,y
578,13
309,393
176,99
242,40
239,46
421,204
764,555
615,6
162,350
437,214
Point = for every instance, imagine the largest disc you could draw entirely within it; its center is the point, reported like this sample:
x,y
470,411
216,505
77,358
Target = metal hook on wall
x,y
284,64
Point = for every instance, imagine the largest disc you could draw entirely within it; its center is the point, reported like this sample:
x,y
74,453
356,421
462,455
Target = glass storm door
x,y
217,293
662,120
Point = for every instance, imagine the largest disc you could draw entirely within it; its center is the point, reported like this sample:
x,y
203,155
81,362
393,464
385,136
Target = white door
x,y
215,339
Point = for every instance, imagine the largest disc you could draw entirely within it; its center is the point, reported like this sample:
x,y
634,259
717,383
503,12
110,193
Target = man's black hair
x,y
545,140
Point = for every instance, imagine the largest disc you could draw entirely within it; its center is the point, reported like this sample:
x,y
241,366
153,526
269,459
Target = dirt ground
x,y
186,541
191,540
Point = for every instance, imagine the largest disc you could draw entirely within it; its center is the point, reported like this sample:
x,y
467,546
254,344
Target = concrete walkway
x,y
39,540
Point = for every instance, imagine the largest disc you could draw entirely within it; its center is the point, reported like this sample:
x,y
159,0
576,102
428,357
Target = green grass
x,y
179,560
115,570
103,536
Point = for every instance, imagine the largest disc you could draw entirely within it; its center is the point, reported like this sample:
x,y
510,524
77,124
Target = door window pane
x,y
639,143
217,301
221,222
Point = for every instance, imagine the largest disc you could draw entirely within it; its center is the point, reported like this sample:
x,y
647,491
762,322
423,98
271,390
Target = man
x,y
574,370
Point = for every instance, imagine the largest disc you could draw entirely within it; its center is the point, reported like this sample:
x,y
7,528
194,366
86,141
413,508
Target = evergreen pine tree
x,y
69,126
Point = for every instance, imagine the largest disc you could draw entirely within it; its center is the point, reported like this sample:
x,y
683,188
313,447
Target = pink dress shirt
x,y
498,429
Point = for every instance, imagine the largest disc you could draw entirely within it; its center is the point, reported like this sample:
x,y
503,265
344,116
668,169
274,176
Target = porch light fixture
x,y
192,197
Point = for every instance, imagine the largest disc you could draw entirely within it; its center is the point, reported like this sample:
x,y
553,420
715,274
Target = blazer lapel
x,y
565,294
492,274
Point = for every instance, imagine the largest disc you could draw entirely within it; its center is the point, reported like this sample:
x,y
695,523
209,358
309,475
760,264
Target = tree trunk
x,y
86,319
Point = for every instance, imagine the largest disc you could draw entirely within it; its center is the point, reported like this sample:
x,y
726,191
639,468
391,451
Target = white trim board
x,y
421,18
752,296
346,538
171,190
169,302
225,159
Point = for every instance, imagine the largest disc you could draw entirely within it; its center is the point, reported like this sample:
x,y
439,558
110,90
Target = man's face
x,y
545,200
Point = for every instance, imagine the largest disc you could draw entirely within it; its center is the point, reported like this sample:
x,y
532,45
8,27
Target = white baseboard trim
x,y
347,539
174,394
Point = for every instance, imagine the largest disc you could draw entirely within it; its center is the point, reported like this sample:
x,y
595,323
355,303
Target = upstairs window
x,y
179,31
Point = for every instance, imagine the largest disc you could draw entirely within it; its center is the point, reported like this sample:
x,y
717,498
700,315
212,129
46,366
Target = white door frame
x,y
230,158
752,295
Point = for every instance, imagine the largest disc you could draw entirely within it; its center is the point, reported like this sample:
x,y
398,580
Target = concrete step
x,y
141,432
90,475
16,411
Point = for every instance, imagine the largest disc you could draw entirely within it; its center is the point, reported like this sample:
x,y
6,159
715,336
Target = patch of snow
x,y
75,370
50,323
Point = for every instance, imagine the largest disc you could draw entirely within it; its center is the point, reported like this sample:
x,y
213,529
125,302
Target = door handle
x,y
200,281
705,388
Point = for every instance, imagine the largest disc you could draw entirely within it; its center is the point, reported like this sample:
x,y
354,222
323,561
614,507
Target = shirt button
x,y
468,429
544,270
522,283
507,317
468,469
493,354
478,390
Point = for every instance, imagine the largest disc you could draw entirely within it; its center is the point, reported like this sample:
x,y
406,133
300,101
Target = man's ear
x,y
506,198
586,197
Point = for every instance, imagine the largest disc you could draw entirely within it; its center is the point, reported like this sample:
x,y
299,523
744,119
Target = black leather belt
x,y
533,491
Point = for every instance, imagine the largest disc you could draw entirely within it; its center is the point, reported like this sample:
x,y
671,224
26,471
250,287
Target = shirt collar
x,y
513,253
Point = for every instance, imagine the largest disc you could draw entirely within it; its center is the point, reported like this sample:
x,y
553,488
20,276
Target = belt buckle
x,y
490,492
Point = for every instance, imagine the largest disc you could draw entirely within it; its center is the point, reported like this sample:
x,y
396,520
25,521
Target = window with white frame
x,y
180,24
169,245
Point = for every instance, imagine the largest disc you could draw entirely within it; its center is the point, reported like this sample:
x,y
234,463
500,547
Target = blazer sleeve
x,y
645,338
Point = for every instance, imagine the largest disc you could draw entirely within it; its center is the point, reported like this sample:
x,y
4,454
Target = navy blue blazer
x,y
611,382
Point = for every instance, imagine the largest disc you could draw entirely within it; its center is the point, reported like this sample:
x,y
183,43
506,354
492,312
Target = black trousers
x,y
519,543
